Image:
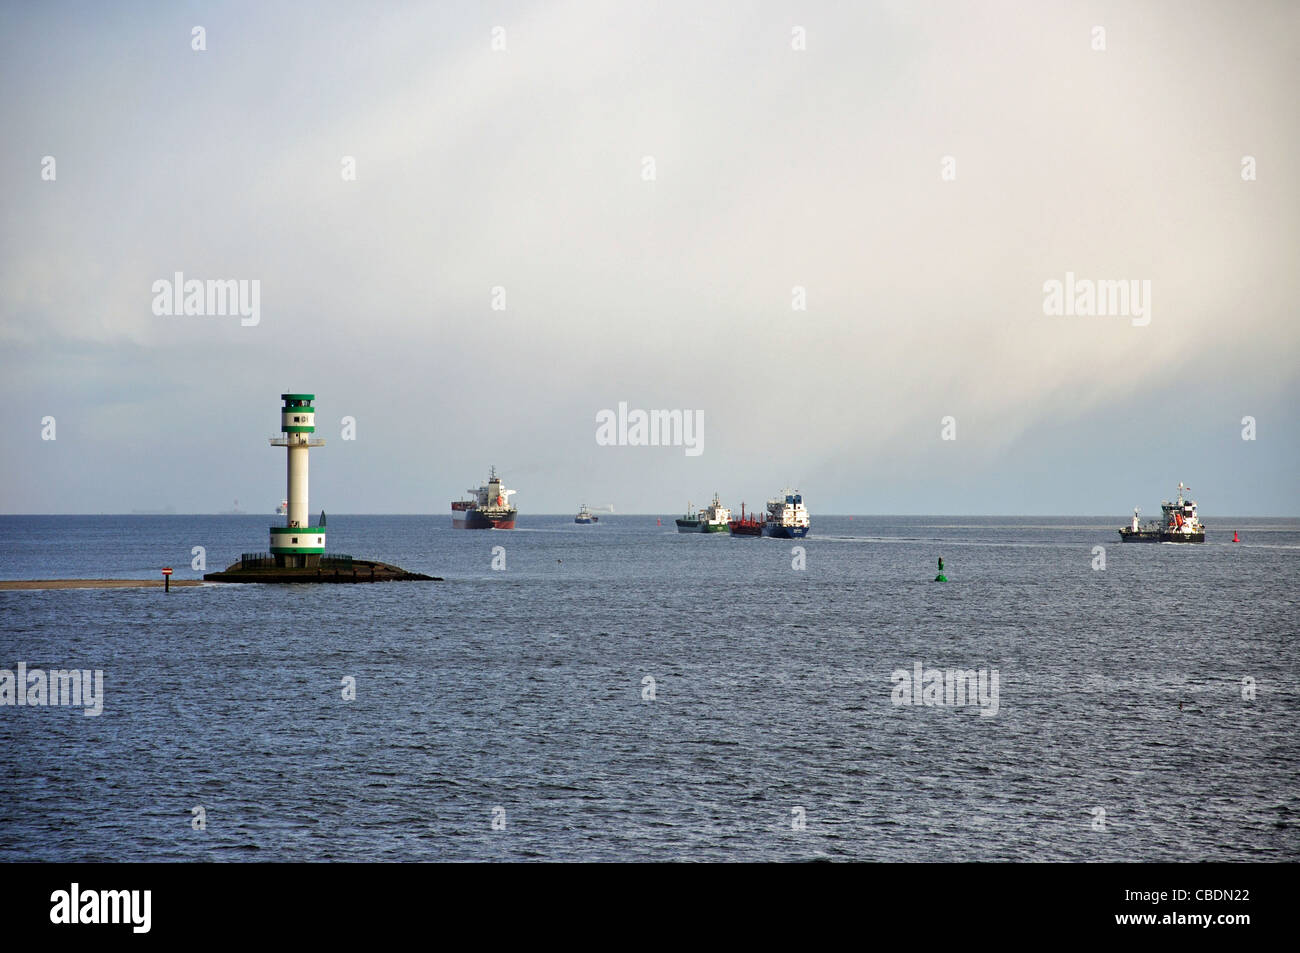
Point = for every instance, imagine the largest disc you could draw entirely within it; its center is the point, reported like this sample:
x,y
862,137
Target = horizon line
x,y
660,515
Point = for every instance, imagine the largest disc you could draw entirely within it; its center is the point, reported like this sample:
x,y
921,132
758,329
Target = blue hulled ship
x,y
786,517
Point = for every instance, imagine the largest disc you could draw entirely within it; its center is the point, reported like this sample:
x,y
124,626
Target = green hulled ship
x,y
712,519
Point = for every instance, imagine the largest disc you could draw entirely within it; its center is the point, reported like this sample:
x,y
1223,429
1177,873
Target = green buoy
x,y
941,577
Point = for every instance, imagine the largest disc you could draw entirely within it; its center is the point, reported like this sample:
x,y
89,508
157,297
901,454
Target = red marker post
x,y
167,578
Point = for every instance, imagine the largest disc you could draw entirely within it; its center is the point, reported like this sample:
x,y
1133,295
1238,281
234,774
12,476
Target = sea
x,y
622,692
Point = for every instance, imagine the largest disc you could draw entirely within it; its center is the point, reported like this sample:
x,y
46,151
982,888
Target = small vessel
x,y
714,518
586,516
1178,523
787,517
488,507
745,526
282,509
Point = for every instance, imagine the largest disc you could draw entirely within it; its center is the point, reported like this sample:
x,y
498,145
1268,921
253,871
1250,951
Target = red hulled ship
x,y
745,526
488,507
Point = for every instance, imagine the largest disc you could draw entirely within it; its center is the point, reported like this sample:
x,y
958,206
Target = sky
x,y
825,228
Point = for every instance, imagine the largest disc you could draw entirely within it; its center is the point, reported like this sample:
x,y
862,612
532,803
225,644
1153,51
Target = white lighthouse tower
x,y
297,544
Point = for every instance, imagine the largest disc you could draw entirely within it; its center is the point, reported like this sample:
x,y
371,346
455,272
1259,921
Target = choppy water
x,y
523,690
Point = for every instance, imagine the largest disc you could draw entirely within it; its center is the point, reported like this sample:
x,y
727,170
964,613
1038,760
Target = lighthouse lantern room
x,y
297,544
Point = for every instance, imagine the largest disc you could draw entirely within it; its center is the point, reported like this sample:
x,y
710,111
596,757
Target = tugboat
x,y
1178,524
712,519
586,516
488,508
744,526
786,516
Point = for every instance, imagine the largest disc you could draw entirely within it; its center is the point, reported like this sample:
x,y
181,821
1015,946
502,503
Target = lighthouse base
x,y
297,560
261,569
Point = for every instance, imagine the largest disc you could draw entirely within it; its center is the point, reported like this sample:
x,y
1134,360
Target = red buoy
x,y
1234,537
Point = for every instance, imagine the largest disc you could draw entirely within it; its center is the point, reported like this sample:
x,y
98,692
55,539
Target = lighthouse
x,y
297,544
298,548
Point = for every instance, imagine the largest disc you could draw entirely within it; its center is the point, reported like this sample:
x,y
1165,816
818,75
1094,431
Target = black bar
x,y
940,905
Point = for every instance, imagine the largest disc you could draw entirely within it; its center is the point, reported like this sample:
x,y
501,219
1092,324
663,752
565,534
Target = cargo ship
x,y
488,507
787,518
1178,523
745,526
715,518
586,516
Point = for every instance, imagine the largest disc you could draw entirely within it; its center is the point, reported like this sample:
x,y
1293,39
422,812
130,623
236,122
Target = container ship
x,y
787,518
745,526
488,507
715,518
1178,523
